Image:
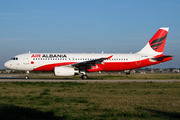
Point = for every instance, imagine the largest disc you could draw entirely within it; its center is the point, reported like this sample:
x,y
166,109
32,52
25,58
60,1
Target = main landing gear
x,y
27,75
84,75
127,72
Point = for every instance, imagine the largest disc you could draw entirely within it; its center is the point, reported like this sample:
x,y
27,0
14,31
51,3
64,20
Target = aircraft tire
x,y
84,77
27,77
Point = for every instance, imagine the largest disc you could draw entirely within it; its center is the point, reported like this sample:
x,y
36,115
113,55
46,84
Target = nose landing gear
x,y
27,76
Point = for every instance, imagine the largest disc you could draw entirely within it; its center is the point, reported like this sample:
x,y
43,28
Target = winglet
x,y
110,57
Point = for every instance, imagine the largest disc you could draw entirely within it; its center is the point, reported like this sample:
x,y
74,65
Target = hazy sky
x,y
91,26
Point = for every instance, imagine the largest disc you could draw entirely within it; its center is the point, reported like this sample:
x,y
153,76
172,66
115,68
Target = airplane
x,y
69,64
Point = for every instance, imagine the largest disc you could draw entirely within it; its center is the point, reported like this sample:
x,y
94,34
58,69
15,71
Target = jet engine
x,y
65,71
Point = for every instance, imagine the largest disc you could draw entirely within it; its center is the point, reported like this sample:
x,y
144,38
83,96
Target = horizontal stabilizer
x,y
160,58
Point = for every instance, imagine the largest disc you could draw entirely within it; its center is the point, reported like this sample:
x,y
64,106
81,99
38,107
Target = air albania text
x,y
53,55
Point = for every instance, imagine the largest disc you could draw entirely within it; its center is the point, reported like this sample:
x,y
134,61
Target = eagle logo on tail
x,y
155,44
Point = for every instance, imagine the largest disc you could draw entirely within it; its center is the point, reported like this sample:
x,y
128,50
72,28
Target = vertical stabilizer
x,y
156,43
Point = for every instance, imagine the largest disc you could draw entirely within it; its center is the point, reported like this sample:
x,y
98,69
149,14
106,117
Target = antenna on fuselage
x,y
29,52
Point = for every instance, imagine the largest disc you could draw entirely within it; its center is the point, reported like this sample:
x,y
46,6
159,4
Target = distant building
x,y
143,72
176,71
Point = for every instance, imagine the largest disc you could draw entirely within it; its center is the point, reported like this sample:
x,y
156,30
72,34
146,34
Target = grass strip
x,y
71,101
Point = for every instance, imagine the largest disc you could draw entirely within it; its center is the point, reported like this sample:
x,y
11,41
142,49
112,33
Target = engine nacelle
x,y
65,71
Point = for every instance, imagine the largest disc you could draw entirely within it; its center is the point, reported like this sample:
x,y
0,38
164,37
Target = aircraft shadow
x,y
45,78
14,78
12,112
163,114
10,78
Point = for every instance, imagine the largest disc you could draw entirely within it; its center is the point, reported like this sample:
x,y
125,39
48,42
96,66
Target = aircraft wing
x,y
90,63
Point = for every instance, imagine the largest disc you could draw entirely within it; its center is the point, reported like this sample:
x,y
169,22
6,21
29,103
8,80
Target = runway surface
x,y
14,78
88,80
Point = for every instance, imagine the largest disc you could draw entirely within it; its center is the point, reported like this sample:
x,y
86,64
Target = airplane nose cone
x,y
6,64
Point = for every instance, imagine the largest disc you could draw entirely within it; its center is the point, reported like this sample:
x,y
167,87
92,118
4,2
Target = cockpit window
x,y
14,58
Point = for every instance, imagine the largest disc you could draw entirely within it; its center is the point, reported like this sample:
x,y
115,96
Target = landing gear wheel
x,y
128,73
27,73
27,77
84,77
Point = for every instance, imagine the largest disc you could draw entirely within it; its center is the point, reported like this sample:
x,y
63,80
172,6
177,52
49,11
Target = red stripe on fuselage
x,y
120,66
50,67
107,66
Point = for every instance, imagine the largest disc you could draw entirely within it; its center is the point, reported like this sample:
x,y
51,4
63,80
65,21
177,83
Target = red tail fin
x,y
157,42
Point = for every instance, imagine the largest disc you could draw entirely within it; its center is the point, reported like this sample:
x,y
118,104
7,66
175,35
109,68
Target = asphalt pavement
x,y
14,78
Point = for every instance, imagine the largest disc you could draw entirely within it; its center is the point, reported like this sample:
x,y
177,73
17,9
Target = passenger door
x,y
26,59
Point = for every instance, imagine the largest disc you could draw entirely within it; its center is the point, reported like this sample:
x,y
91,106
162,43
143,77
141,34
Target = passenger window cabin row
x,y
113,59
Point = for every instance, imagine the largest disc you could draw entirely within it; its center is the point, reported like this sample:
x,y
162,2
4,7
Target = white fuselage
x,y
47,61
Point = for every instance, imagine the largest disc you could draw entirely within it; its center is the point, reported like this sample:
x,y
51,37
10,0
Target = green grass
x,y
114,76
82,101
